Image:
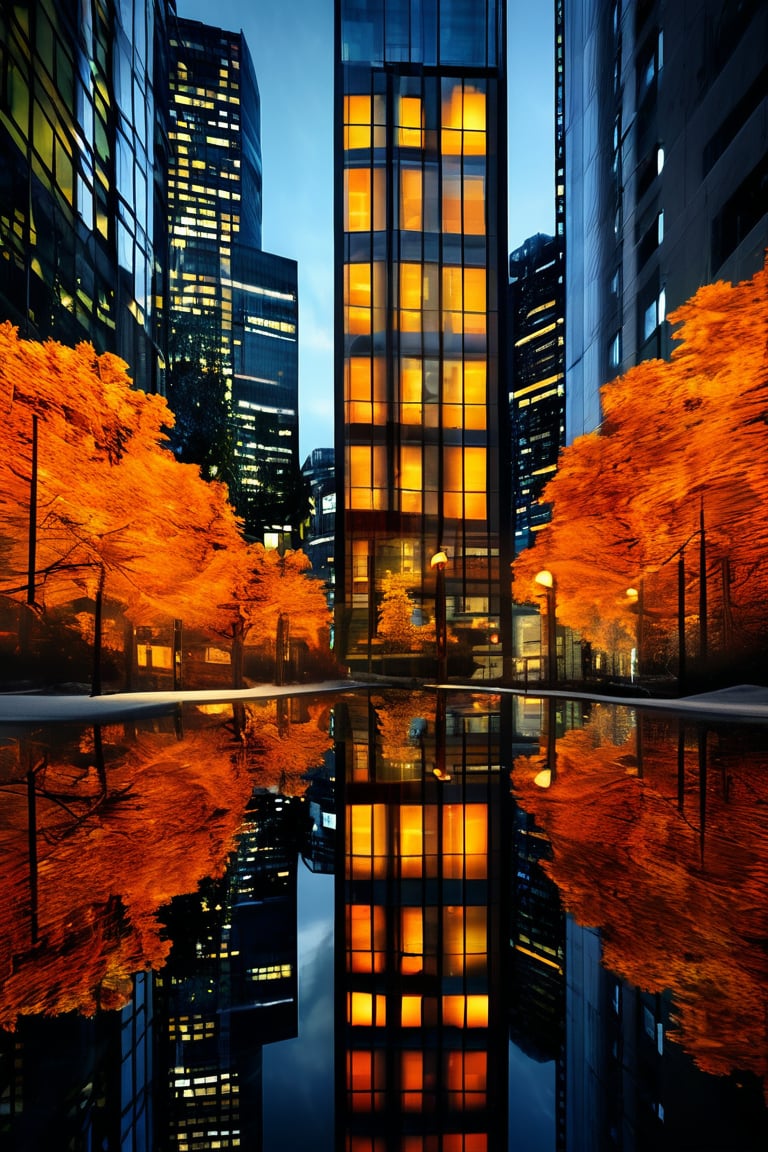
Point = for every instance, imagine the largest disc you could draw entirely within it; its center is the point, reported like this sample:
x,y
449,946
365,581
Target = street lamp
x,y
438,562
637,605
546,580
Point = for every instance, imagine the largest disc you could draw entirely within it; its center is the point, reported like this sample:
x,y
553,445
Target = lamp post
x,y
438,562
546,580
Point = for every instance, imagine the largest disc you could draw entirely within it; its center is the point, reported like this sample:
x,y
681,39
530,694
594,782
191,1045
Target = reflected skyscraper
x,y
420,284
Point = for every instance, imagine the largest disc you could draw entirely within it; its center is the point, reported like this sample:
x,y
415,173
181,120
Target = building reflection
x,y
420,992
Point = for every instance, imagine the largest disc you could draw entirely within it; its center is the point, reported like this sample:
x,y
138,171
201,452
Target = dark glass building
x,y
537,390
83,151
666,169
233,341
319,471
421,282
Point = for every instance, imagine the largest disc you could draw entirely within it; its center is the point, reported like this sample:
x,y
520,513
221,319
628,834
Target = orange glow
x,y
357,121
410,477
451,202
464,395
367,829
410,392
410,1012
362,211
365,1010
411,199
366,390
410,285
465,482
465,939
474,290
366,936
412,1080
411,840
474,205
465,1011
411,120
365,1079
412,940
367,472
466,1077
465,1142
357,296
367,1143
463,122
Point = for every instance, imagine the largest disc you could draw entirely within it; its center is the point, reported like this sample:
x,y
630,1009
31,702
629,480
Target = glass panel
x,y
411,199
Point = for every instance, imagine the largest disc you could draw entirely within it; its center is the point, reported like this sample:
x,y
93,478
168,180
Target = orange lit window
x,y
463,121
465,840
366,938
365,390
366,1080
465,1142
410,120
367,474
412,940
411,276
474,290
465,1011
410,1012
411,199
465,482
366,1143
465,939
412,1080
464,394
474,206
357,121
367,826
466,1075
411,840
362,211
410,477
410,391
357,296
365,1010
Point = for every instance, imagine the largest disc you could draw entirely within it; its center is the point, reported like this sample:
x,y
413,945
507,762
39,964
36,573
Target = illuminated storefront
x,y
420,424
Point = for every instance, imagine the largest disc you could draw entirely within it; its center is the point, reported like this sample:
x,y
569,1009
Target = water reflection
x,y
549,919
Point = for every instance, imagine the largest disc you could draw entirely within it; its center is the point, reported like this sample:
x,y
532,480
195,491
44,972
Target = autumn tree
x,y
682,444
396,627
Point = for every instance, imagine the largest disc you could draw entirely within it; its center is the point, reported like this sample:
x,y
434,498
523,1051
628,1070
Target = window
x,y
364,200
410,123
365,390
463,120
366,938
465,482
411,199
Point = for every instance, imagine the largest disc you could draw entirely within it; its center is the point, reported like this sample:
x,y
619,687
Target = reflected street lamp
x,y
546,580
438,562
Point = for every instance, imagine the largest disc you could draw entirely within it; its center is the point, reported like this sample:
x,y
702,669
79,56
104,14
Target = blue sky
x,y
292,48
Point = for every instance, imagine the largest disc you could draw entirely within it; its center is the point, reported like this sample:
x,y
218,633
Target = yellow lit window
x,y
410,285
412,940
357,296
465,482
465,840
411,199
410,1012
410,133
410,391
463,121
474,290
367,829
466,1011
411,840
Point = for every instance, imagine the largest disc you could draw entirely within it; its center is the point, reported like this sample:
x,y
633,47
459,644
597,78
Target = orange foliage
x,y
113,499
678,908
280,750
675,435
170,818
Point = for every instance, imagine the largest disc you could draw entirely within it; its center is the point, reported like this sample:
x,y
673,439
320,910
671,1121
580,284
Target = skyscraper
x,y
233,362
666,170
537,389
420,243
82,210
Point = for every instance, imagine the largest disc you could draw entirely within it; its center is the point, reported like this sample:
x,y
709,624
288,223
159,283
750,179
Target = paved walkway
x,y
742,702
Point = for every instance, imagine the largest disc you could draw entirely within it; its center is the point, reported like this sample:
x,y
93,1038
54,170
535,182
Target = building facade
x,y
537,388
666,167
233,339
83,150
420,233
319,471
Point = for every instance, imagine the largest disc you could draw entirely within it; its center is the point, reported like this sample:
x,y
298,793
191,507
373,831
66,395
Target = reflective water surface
x,y
423,922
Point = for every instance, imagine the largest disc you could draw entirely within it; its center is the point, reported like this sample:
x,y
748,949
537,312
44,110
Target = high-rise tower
x,y
233,377
421,280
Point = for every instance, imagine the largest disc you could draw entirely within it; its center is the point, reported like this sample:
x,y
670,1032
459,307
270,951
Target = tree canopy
x,y
108,506
679,438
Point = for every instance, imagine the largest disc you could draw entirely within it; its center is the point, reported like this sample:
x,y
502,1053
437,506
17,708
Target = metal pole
x,y
703,636
681,670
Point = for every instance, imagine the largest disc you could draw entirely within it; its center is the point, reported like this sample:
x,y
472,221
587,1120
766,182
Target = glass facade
x,y
82,176
234,308
421,162
665,156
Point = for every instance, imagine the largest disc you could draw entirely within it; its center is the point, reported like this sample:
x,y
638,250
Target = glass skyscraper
x,y
233,378
421,282
83,151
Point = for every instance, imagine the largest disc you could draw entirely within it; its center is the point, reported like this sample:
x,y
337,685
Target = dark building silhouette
x,y
537,388
233,339
83,156
666,173
421,290
319,471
